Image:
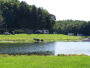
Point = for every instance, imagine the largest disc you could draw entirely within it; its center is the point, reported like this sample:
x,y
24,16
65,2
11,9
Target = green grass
x,y
45,62
46,37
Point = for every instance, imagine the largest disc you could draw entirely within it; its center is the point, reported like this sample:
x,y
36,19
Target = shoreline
x,y
5,55
40,38
46,41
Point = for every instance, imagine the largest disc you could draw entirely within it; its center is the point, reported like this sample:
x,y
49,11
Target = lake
x,y
46,48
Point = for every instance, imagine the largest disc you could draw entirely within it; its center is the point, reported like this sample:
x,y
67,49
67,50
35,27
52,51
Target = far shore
x,y
29,38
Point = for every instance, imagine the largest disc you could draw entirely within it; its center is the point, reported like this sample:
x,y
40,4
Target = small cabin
x,y
44,31
70,34
79,34
28,31
38,31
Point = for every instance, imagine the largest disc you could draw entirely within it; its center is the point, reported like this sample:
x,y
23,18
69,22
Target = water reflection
x,y
35,48
72,48
46,48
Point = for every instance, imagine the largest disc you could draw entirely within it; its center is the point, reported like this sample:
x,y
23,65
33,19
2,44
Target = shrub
x,y
19,31
2,31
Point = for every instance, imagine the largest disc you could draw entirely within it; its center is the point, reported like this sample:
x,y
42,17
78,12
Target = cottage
x,y
28,31
54,32
70,34
79,34
39,31
44,31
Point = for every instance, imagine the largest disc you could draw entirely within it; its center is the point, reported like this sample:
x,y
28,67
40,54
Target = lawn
x,y
45,62
29,37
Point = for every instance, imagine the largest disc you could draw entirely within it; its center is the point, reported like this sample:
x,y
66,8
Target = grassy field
x,y
45,62
29,37
25,61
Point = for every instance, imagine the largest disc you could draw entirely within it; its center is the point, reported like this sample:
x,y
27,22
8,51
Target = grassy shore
x,y
29,37
44,61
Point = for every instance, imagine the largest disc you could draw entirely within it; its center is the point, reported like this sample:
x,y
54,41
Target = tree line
x,y
72,26
21,15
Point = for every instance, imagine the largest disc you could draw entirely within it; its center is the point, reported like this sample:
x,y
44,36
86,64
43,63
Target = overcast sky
x,y
65,9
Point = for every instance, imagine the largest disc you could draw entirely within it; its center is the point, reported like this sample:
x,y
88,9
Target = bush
x,y
19,31
2,31
60,55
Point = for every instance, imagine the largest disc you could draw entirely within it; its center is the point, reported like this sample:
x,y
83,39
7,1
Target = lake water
x,y
46,48
72,48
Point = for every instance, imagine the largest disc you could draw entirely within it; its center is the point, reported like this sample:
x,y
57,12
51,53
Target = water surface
x,y
72,48
46,48
33,48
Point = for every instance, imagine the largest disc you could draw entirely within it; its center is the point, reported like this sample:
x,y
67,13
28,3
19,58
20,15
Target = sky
x,y
65,9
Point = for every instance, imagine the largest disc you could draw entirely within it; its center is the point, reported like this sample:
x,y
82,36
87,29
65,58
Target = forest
x,y
21,15
73,26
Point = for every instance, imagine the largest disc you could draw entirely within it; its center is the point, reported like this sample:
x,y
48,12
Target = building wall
x,y
29,31
71,34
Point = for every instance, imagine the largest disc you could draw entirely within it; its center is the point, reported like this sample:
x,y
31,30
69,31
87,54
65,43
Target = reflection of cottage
x,y
28,31
70,34
44,31
79,34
